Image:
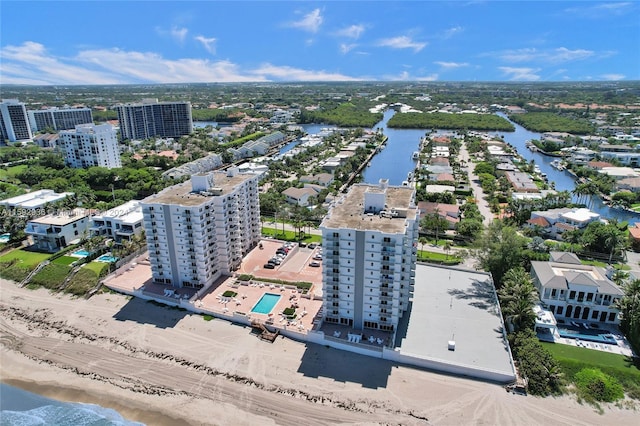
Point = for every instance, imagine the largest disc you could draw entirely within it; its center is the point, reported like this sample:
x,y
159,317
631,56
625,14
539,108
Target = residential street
x,y
483,205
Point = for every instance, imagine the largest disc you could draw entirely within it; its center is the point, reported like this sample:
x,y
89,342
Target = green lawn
x,y
65,260
11,172
573,359
26,259
96,267
438,257
289,235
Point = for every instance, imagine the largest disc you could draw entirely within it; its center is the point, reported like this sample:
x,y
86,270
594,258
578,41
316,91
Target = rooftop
x,y
35,199
348,211
182,194
455,305
129,212
62,217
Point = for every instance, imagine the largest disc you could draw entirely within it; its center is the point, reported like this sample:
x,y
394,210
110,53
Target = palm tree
x,y
447,247
517,298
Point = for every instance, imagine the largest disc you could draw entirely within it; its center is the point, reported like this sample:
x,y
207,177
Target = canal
x,y
394,162
563,181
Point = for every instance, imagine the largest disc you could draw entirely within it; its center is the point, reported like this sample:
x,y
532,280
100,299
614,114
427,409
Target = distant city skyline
x,y
149,42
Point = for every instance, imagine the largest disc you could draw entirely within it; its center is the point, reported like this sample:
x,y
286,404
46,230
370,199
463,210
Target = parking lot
x,y
294,267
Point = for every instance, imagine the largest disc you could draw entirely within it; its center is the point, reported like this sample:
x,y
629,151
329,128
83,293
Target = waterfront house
x,y
120,223
35,199
54,232
573,291
521,182
631,184
619,173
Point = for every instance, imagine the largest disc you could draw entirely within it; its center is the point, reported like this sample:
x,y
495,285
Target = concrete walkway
x,y
474,182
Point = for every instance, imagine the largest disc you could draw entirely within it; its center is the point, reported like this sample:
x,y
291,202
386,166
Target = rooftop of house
x,y
62,217
562,272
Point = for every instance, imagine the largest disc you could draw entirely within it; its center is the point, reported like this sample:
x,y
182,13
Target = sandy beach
x,y
164,366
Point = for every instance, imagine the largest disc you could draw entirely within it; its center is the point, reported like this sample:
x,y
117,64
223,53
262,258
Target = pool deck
x,y
622,347
135,278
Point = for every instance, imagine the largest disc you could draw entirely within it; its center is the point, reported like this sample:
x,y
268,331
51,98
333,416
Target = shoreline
x,y
64,393
162,366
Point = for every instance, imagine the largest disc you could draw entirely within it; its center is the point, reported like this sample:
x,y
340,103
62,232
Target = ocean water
x,y
22,408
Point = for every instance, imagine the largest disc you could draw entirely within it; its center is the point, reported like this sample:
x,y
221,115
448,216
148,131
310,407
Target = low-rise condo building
x,y
35,200
369,239
199,230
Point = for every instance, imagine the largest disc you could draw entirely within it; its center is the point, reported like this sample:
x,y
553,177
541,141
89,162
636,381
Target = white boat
x,y
415,155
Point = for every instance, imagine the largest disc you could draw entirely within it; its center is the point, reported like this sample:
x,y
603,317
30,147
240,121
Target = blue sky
x,y
119,42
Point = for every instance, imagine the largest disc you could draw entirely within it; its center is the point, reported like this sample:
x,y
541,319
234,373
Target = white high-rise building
x,y
91,145
14,123
152,118
198,231
59,118
369,239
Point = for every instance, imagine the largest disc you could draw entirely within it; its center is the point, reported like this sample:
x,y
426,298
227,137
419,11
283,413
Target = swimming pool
x,y
266,303
574,334
80,253
107,258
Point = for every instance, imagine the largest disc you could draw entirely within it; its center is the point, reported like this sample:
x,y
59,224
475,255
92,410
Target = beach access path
x,y
121,351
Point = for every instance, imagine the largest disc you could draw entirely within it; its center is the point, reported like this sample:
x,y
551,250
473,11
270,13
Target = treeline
x,y
550,122
439,120
344,115
219,115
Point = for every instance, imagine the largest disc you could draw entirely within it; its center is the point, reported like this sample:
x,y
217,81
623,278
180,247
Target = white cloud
x,y
551,56
286,73
346,48
600,10
310,22
402,42
562,54
353,31
179,33
451,65
208,43
612,77
521,74
31,63
406,76
452,31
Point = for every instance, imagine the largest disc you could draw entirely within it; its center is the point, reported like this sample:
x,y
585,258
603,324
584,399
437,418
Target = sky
x,y
133,42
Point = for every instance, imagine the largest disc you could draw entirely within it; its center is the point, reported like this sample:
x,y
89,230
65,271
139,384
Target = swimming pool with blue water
x,y
266,303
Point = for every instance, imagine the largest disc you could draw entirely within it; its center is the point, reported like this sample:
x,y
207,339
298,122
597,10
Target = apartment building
x,y
369,239
91,145
120,223
54,232
151,118
59,118
574,291
14,123
198,231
